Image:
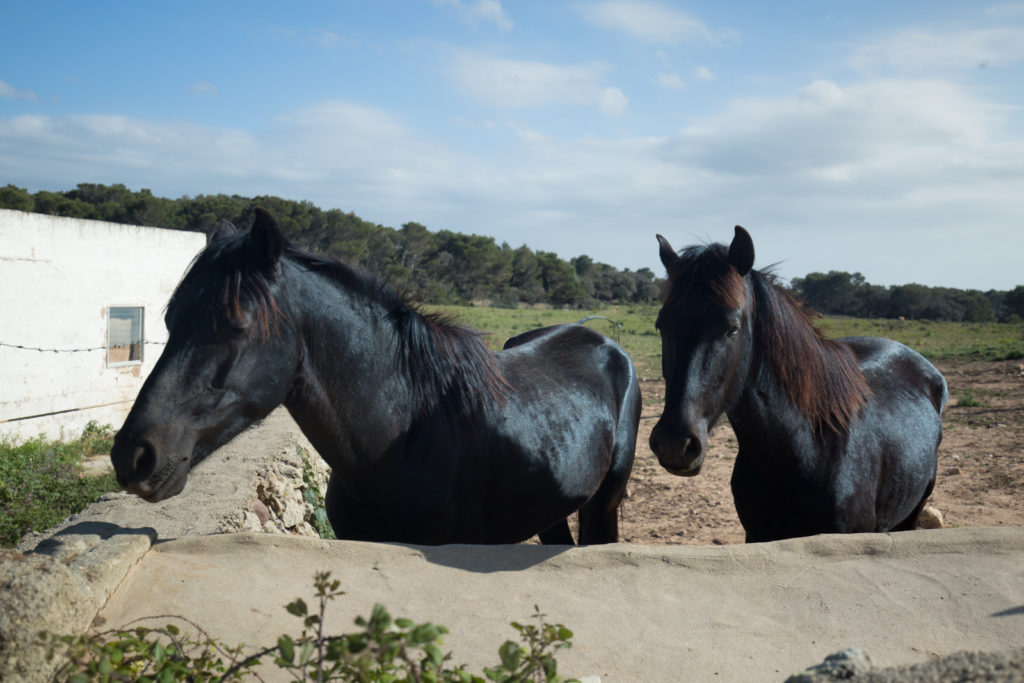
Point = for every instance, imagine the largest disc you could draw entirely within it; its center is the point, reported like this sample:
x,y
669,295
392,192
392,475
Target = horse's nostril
x,y
143,461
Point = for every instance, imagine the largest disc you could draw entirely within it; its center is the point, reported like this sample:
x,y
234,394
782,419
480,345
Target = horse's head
x,y
706,340
230,359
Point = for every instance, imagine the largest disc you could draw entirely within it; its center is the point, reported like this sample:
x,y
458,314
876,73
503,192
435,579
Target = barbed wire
x,y
85,350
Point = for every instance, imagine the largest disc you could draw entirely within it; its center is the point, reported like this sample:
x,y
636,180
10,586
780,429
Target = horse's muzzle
x,y
141,470
679,451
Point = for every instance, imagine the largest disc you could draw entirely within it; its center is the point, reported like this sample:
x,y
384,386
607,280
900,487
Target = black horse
x,y
834,435
431,437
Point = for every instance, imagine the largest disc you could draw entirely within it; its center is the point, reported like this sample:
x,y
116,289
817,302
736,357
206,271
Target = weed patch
x,y
383,649
41,482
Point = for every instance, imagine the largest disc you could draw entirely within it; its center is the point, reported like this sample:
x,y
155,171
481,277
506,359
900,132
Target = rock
x,y
837,666
996,667
260,510
293,513
281,488
930,518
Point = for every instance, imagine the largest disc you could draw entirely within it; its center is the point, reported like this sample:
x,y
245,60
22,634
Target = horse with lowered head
x,y
834,435
432,438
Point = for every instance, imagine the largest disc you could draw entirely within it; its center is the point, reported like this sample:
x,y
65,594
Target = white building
x,y
81,318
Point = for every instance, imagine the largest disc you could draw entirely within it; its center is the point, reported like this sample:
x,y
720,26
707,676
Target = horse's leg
x,y
599,520
333,507
557,534
599,517
910,523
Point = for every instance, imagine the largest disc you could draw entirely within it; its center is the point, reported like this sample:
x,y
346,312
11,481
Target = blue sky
x,y
880,138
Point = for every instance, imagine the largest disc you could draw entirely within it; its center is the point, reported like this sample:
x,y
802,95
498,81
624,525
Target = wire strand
x,y
85,350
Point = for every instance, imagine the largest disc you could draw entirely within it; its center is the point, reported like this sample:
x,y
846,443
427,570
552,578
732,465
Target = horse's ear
x,y
741,251
667,253
267,240
223,231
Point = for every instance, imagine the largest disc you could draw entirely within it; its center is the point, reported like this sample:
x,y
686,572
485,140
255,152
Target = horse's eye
x,y
732,332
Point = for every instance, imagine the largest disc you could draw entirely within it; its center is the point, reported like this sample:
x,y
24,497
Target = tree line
x,y
446,267
842,293
441,266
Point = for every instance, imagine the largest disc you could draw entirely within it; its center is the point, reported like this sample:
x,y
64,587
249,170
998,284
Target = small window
x,y
124,335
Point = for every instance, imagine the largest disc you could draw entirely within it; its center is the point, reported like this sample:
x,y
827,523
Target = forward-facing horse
x,y
432,438
834,435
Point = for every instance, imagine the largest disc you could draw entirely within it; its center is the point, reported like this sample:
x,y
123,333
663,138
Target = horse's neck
x,y
350,394
764,411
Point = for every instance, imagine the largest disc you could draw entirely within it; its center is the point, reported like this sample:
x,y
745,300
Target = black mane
x,y
445,362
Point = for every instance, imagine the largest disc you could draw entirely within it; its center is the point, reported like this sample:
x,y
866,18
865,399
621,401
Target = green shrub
x,y
41,482
383,650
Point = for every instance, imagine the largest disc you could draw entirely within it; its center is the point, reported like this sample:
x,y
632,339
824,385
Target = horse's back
x,y
887,362
571,348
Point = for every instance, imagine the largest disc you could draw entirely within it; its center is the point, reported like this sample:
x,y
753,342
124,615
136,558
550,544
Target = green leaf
x,y
424,633
356,643
306,652
434,654
286,646
336,649
172,629
404,623
297,607
380,617
550,666
510,654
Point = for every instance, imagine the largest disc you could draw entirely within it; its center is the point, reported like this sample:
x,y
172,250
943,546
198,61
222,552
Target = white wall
x,y
58,277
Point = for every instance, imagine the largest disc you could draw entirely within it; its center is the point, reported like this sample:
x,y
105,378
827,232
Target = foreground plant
x,y
384,650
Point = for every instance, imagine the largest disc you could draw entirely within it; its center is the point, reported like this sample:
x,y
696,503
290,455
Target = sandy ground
x,y
981,465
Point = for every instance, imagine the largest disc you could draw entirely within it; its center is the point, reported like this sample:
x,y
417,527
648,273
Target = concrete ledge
x,y
640,613
60,588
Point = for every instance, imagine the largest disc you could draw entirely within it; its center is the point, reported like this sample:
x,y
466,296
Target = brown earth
x,y
980,479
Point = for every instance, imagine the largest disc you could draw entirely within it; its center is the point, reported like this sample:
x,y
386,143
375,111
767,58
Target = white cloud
x,y
702,73
482,11
203,88
671,81
906,130
11,93
876,169
515,84
650,21
329,39
1008,9
920,50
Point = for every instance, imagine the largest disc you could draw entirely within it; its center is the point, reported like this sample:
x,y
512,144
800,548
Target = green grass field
x,y
937,341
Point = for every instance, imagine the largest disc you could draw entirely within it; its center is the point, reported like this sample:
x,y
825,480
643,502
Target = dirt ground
x,y
980,480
